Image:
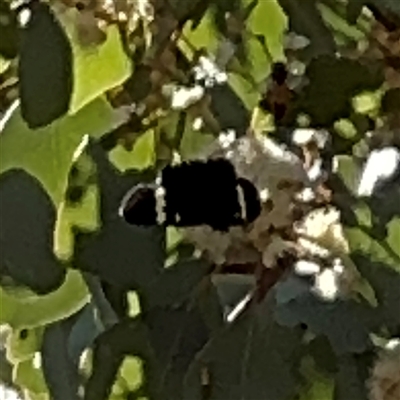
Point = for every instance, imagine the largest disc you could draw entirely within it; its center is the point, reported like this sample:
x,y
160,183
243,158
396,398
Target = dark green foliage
x,y
9,33
251,358
26,233
136,253
333,82
159,304
57,361
45,68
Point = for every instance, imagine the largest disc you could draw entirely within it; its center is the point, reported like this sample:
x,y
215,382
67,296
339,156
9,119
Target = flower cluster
x,y
289,224
384,382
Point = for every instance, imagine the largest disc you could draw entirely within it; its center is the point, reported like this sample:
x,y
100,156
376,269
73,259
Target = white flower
x,y
226,139
182,97
305,268
303,136
208,71
293,41
327,284
324,228
265,163
8,393
381,165
384,382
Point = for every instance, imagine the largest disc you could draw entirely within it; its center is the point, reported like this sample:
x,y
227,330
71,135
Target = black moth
x,y
191,194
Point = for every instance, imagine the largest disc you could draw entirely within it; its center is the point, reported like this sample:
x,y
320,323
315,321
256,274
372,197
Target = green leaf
x,y
229,109
23,309
305,19
131,370
175,284
269,21
60,372
253,358
141,157
345,323
385,283
319,386
393,237
185,330
124,255
378,250
333,82
83,332
48,153
44,68
96,68
350,379
9,35
30,377
349,172
26,234
22,344
129,337
232,288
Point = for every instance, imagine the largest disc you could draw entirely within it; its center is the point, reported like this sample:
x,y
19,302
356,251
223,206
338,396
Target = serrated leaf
x,y
44,68
26,233
47,153
123,255
60,371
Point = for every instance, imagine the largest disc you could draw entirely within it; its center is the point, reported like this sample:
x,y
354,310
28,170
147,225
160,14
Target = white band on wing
x,y
160,204
242,202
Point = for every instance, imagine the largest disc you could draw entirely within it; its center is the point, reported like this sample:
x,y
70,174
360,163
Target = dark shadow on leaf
x,y
123,255
27,221
386,283
59,368
333,82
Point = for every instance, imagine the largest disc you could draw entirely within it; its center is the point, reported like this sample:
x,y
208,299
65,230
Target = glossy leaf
x,y
47,153
96,68
21,309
